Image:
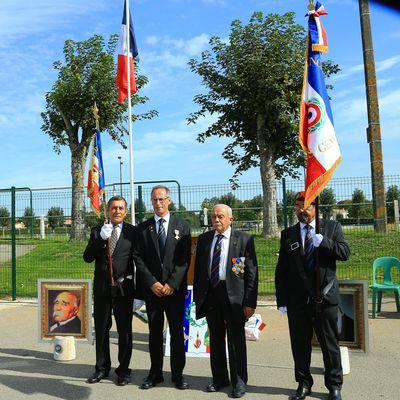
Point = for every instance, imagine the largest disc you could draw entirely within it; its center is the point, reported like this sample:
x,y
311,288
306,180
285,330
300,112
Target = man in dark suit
x,y
114,240
225,292
65,310
162,260
295,280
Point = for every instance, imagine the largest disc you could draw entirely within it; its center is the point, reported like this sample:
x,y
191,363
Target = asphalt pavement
x,y
28,370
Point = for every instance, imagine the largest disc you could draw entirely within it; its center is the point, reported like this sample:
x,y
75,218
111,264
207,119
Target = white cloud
x,y
152,40
387,64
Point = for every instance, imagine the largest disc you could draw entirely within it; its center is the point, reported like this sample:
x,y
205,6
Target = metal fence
x,y
47,252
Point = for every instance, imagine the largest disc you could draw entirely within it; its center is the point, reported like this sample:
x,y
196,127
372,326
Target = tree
x,y
254,86
55,217
393,193
4,217
229,199
360,207
86,76
327,201
28,217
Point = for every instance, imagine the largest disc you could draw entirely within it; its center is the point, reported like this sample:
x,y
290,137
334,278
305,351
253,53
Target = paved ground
x,y
28,371
21,249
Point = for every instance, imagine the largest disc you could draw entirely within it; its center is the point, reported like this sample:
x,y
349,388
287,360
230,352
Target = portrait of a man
x,y
63,313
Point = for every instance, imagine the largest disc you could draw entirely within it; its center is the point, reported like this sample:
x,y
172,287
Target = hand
x,y
317,239
157,289
106,231
283,309
248,312
167,290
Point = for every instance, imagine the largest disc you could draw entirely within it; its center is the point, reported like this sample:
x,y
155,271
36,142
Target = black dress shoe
x,y
301,393
238,391
216,387
97,377
334,394
180,384
123,380
151,381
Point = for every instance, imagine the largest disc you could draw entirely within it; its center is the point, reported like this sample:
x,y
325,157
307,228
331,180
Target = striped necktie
x,y
214,276
113,239
309,260
161,237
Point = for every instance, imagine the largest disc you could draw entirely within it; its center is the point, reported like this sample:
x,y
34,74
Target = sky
x,y
169,33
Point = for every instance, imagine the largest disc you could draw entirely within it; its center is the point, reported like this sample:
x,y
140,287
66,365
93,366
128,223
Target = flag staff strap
x,y
128,71
96,116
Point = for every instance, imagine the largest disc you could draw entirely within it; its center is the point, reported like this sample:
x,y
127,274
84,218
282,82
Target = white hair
x,y
228,209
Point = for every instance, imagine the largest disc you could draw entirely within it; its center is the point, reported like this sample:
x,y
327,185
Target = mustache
x,y
57,314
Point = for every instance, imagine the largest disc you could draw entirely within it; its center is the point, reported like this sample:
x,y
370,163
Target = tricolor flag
x,y
124,57
316,131
95,187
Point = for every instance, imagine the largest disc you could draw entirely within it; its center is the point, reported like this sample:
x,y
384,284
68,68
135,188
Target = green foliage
x,y
5,219
327,201
29,215
55,217
393,193
92,220
360,207
256,74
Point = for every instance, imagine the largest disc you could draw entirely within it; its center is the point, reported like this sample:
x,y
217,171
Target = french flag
x,y
123,56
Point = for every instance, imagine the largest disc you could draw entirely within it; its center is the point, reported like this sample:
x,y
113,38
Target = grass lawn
x,y
56,258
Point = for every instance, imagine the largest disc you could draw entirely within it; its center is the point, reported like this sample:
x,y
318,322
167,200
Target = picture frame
x,y
65,309
353,315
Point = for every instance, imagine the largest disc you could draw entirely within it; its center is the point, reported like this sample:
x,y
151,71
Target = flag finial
x,y
311,5
96,115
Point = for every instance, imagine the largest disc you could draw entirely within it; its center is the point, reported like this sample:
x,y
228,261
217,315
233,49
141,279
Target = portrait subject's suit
x,y
225,303
73,326
295,289
119,302
171,268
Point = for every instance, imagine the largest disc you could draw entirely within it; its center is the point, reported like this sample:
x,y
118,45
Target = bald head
x,y
221,217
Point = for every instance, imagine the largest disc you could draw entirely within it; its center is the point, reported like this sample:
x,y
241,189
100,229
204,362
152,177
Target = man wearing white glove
x,y
295,284
114,239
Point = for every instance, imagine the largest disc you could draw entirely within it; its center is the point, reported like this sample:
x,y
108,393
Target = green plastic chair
x,y
386,263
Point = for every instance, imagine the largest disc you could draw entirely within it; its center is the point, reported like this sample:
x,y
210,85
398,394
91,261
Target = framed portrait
x,y
65,308
353,315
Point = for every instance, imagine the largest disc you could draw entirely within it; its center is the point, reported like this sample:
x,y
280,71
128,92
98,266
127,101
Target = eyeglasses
x,y
159,199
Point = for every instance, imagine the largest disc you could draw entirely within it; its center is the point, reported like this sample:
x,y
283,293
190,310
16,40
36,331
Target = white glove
x,y
106,231
283,309
317,239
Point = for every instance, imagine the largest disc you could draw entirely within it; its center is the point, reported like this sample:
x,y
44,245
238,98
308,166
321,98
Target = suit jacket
x,y
292,283
73,326
243,288
122,260
173,268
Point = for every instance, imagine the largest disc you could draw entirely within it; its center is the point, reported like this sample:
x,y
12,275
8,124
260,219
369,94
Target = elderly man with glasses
x,y
162,260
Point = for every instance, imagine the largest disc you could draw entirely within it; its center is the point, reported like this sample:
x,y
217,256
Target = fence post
x,y
284,210
396,214
140,204
42,228
13,247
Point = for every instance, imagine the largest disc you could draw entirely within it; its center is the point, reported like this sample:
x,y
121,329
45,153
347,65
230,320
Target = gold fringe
x,y
320,48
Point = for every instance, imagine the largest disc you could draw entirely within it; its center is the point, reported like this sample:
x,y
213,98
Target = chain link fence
x,y
43,223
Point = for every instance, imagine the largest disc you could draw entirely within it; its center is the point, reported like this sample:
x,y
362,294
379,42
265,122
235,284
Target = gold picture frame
x,y
353,315
65,308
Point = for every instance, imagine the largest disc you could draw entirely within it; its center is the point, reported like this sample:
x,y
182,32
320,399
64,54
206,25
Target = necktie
x,y
214,276
161,237
309,260
113,239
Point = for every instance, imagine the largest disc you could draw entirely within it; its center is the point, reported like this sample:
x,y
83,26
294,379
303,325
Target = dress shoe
x,y
301,393
334,394
238,391
180,383
151,381
97,377
216,387
123,380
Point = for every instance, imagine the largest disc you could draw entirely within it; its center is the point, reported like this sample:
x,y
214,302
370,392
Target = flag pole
x,y
128,71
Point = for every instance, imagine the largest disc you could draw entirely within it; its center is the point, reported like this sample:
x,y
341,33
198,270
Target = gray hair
x,y
229,210
160,187
117,198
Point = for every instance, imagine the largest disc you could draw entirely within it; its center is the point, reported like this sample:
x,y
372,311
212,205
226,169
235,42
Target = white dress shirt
x,y
165,223
224,253
316,237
